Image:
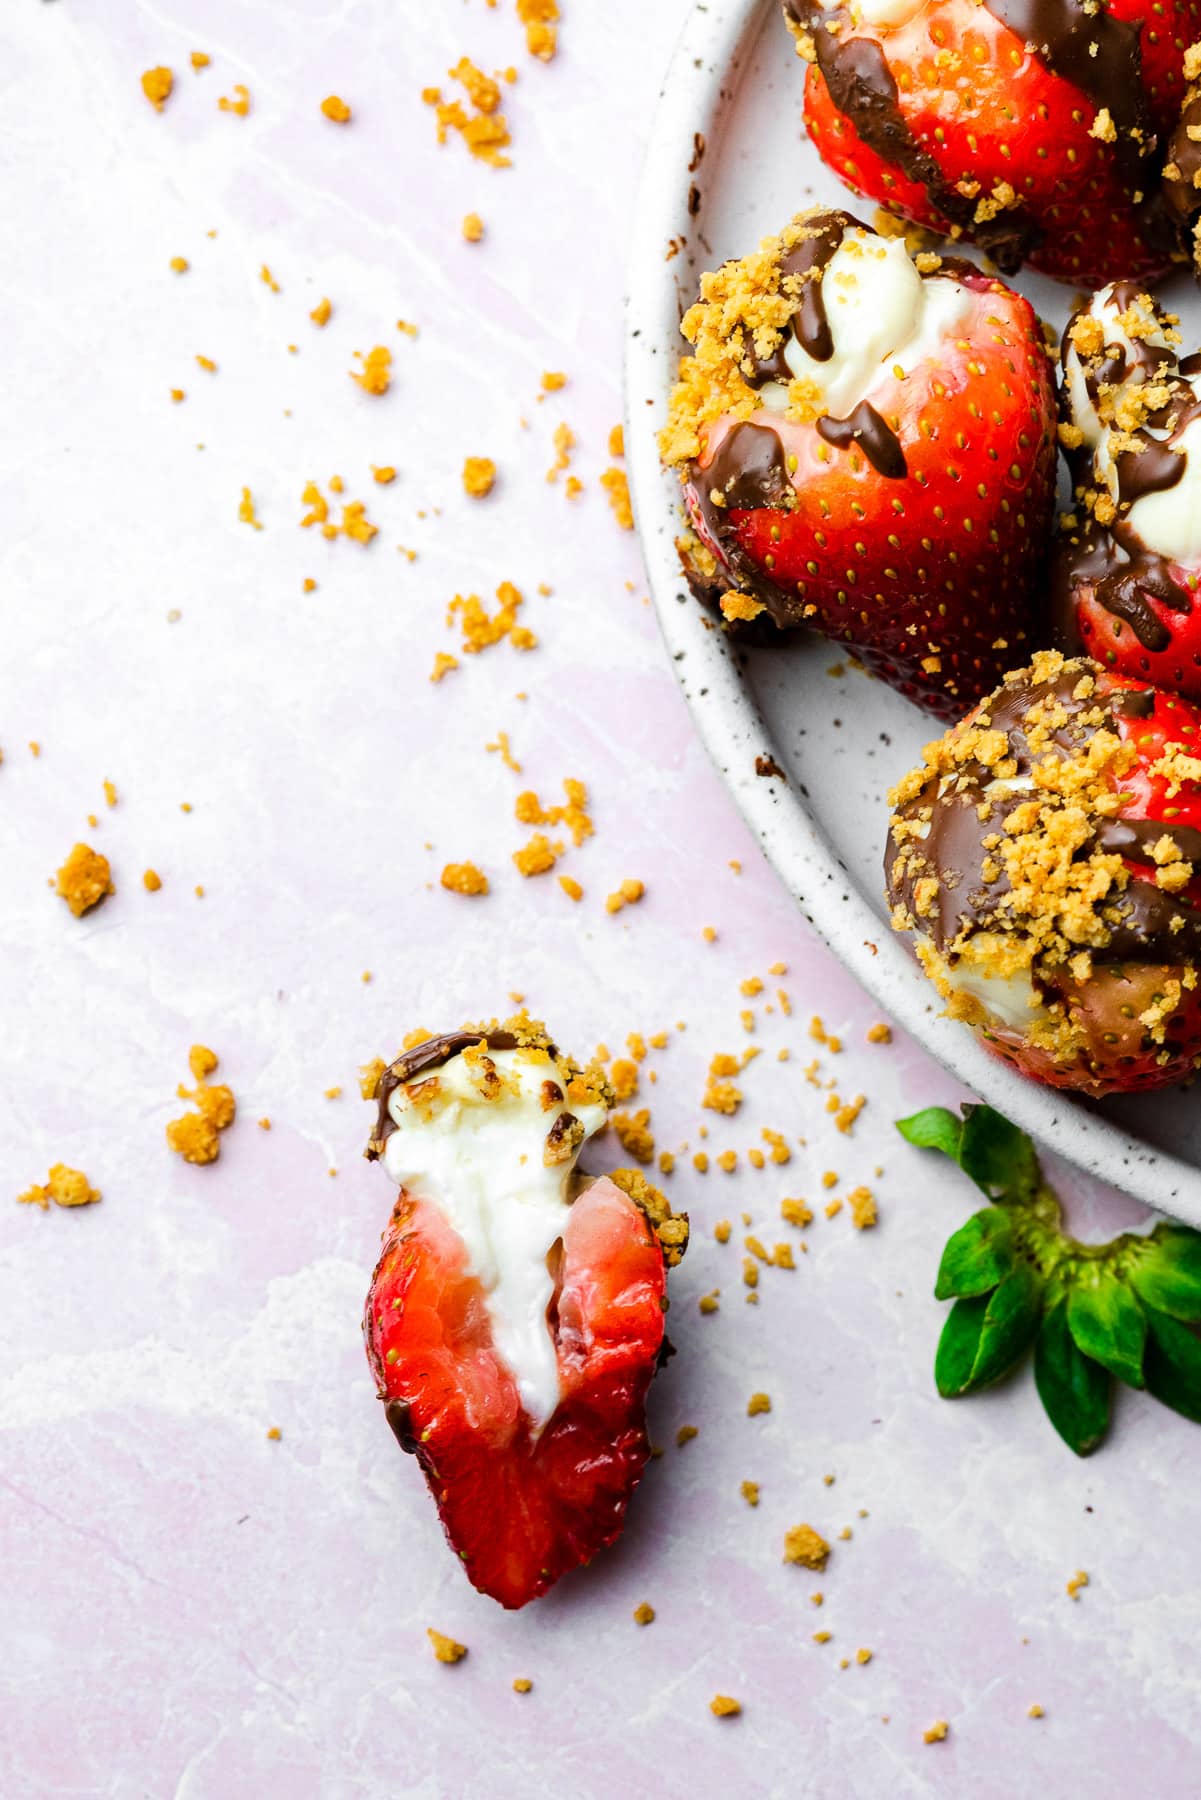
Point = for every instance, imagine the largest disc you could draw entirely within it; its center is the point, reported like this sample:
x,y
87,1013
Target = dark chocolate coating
x,y
1146,923
423,1059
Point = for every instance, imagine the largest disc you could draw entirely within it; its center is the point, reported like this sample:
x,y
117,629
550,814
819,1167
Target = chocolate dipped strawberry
x,y
866,444
1047,859
1037,129
1127,568
516,1315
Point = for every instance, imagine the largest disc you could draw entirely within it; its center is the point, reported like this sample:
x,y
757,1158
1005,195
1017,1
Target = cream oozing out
x,y
885,320
483,1161
1168,522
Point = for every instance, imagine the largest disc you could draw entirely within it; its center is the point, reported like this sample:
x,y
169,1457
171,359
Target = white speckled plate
x,y
728,163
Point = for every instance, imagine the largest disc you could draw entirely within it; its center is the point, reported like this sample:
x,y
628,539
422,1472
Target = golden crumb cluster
x,y
482,629
65,1186
479,476
375,375
354,523
484,129
669,1227
196,1135
742,314
539,18
84,879
464,878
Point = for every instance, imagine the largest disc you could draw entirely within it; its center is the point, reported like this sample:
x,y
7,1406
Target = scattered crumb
x,y
246,512
685,1435
473,228
934,1734
1079,1580
383,473
522,1684
484,131
65,1186
722,1706
443,664
481,630
84,880
571,887
275,1434
822,1637
195,1135
321,313
879,1034
157,85
207,364
152,881
863,1208
268,279
862,1657
710,1303
617,441
750,1492
1036,1711
616,485
336,110
721,1231
375,376
264,1124
479,475
804,1545
200,59
758,1403
239,103
179,265
445,1648
628,894
464,878
644,1614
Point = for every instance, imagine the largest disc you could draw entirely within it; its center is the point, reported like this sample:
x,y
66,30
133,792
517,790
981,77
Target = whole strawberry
x,y
1034,128
1127,569
866,444
1047,857
516,1314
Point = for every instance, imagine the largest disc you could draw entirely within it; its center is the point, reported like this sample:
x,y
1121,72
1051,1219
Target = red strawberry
x,y
1034,129
1128,564
1048,856
522,1500
867,448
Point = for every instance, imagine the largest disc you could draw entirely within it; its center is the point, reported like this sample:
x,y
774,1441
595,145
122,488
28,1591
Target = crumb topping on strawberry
x,y
865,441
1047,855
1128,564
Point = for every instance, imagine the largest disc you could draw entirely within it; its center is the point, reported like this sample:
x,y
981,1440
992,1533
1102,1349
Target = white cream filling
x,y
884,15
1169,522
1012,1000
480,1161
885,320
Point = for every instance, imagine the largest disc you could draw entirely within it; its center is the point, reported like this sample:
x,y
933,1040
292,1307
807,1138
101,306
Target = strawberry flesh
x,y
519,1508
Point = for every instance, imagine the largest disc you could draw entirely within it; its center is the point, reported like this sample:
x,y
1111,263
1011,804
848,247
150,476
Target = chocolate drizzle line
x,y
809,259
423,1059
1146,923
874,436
1112,561
750,468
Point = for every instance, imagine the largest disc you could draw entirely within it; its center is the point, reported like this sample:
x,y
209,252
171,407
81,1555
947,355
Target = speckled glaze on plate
x,y
728,163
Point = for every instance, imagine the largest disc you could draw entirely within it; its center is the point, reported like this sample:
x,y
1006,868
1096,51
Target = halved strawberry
x,y
867,448
1036,131
523,1498
1127,569
1048,857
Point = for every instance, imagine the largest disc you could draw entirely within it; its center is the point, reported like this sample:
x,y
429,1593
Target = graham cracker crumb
x,y
238,103
863,1208
65,1186
724,1706
571,887
539,18
336,109
464,878
1078,1582
758,1403
473,228
750,1492
617,486
685,1435
484,131
446,1650
804,1545
479,475
934,1734
375,376
522,1685
320,314
84,879
644,1614
443,664
157,85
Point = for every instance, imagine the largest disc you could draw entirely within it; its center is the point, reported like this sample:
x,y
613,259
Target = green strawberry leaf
x,y
986,1334
978,1256
998,1157
1073,1388
936,1128
1172,1365
1167,1276
1108,1324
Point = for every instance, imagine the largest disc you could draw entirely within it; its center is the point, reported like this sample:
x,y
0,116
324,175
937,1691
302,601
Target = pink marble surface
x,y
189,1608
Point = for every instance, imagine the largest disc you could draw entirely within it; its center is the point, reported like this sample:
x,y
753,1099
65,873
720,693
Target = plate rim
x,y
716,41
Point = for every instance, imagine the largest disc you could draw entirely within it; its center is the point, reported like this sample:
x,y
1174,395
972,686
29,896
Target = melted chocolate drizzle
x,y
750,469
423,1059
1146,923
874,436
809,323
